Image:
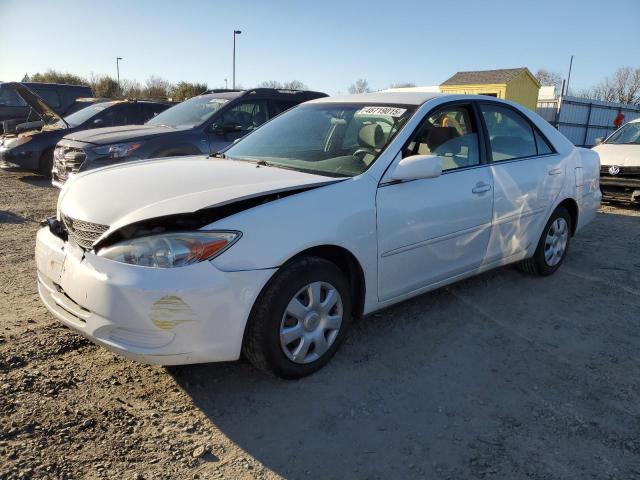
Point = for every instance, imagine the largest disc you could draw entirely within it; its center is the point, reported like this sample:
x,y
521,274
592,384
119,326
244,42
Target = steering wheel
x,y
363,151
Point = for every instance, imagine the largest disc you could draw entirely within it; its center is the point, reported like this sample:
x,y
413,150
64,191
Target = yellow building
x,y
515,84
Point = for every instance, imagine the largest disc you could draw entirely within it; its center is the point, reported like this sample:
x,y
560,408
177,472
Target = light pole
x,y
225,84
235,32
118,70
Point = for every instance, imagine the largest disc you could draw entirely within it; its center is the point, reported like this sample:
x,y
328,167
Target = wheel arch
x,y
572,207
350,266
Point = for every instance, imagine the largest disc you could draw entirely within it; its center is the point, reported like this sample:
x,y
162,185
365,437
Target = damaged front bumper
x,y
171,316
621,188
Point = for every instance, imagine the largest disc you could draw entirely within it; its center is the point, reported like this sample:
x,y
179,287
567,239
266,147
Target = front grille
x,y
623,171
83,233
66,160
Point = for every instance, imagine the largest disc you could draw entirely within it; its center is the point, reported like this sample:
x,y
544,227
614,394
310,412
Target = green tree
x,y
104,86
53,76
185,90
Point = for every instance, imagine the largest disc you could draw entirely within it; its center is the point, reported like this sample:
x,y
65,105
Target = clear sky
x,y
326,44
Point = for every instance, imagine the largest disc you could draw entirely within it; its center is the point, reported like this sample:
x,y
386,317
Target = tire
x,y
46,163
540,263
270,319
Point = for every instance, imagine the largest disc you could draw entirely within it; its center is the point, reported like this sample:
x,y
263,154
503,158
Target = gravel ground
x,y
500,376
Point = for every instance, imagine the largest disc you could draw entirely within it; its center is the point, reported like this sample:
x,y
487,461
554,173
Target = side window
x,y
113,116
510,134
150,110
279,106
542,145
450,133
246,115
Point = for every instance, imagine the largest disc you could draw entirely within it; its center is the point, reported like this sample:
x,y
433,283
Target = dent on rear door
x,y
524,191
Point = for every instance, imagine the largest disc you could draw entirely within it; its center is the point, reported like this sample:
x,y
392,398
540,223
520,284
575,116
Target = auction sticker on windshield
x,y
390,111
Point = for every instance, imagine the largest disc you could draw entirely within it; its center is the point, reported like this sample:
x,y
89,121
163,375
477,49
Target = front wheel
x,y
300,319
552,246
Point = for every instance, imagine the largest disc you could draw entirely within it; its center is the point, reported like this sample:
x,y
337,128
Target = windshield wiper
x,y
217,155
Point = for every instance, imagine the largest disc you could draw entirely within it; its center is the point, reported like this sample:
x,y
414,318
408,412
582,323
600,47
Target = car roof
x,y
392,98
275,93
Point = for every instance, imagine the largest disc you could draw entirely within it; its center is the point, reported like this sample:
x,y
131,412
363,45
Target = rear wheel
x,y
300,319
552,246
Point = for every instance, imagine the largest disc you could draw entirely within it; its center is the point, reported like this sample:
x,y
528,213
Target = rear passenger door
x,y
527,177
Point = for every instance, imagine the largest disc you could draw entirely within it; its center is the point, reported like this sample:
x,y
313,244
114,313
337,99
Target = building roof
x,y
504,75
391,98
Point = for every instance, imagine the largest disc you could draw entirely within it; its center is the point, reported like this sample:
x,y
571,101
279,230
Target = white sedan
x,y
620,159
334,209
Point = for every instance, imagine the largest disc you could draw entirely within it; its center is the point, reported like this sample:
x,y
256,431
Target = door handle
x,y
555,171
481,188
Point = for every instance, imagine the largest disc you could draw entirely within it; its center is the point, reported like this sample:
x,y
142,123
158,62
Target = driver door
x,y
244,116
432,230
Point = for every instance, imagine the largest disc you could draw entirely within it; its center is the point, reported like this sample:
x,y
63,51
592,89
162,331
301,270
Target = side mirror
x,y
98,121
416,167
599,140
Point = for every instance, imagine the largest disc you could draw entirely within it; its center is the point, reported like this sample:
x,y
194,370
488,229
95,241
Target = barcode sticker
x,y
389,111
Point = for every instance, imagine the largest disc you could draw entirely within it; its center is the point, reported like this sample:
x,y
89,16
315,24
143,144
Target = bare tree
x,y
294,85
156,87
270,84
547,78
623,87
360,86
130,88
402,85
290,85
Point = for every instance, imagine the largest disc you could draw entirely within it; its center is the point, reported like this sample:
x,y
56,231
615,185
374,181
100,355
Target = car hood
x,y
110,135
621,155
120,195
34,101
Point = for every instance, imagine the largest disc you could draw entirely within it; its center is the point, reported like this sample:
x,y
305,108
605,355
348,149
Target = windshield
x,y
190,113
629,134
81,116
325,139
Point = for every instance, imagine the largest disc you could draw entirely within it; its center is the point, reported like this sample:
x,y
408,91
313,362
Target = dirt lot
x,y
501,376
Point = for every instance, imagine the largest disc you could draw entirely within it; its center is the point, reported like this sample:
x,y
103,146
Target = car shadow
x,y
10,217
37,181
382,408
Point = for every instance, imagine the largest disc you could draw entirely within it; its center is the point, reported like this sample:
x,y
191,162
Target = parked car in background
x,y
204,124
336,208
620,163
33,149
15,110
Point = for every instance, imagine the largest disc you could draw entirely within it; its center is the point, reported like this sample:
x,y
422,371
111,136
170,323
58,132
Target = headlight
x,y
117,151
16,141
171,249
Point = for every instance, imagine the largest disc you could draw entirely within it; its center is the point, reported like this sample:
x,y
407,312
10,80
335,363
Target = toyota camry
x,y
332,210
